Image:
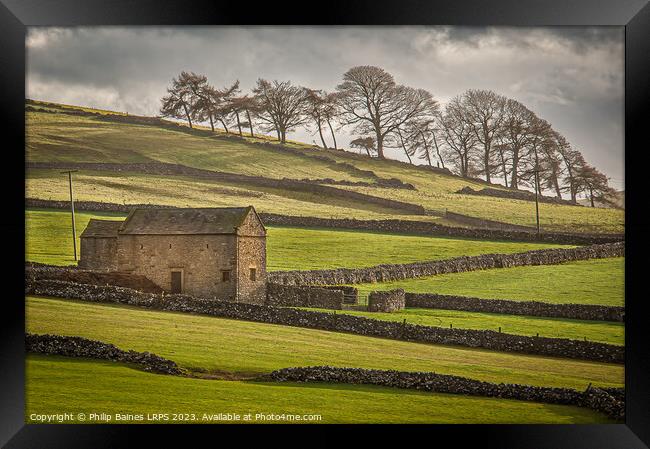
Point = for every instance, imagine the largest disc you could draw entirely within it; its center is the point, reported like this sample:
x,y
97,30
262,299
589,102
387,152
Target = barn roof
x,y
165,221
101,228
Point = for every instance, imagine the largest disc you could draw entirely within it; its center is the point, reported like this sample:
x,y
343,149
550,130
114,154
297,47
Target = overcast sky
x,y
572,77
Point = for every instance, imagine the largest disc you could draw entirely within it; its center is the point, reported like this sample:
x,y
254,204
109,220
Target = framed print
x,y
426,214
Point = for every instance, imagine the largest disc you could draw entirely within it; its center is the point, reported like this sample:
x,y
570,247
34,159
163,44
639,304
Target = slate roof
x,y
101,228
166,221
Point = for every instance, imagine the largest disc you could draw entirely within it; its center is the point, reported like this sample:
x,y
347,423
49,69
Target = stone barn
x,y
208,252
98,249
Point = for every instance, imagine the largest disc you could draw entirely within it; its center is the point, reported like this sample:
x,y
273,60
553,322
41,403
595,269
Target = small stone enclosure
x,y
209,252
387,301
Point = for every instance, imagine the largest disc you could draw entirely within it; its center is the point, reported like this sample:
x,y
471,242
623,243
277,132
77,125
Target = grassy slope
x,y
55,384
216,345
58,137
599,331
49,241
599,281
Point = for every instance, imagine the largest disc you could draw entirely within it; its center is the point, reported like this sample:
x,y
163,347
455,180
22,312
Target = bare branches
x,y
282,106
476,133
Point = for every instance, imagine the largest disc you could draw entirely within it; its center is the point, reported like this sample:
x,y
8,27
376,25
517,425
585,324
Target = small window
x,y
170,246
225,276
141,246
253,274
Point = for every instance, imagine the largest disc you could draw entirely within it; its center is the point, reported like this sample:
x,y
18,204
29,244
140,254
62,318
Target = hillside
x,y
138,146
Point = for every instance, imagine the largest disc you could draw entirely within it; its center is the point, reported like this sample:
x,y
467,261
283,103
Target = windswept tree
x,y
552,164
514,136
573,162
485,113
595,185
459,138
318,108
180,101
247,106
281,106
364,143
540,132
373,103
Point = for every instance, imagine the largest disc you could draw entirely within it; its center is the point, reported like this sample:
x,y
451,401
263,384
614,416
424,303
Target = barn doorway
x,y
177,282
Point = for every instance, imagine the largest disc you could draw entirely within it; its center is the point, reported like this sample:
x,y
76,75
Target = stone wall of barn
x,y
98,253
202,259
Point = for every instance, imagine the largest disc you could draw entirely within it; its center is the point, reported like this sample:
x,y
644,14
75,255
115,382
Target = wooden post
x,y
74,231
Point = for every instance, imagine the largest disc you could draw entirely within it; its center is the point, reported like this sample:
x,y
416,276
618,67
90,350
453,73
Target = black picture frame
x,y
634,15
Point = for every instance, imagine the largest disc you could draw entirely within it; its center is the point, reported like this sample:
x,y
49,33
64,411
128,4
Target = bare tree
x,y
514,136
180,101
281,106
364,143
573,161
485,112
459,137
595,184
373,103
316,106
552,164
244,105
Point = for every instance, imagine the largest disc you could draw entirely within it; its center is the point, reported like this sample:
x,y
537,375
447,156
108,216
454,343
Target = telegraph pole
x,y
74,232
536,200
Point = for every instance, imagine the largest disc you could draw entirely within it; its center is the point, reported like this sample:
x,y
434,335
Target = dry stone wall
x,y
303,296
81,276
386,226
515,195
386,273
386,301
557,347
510,307
602,400
92,349
161,168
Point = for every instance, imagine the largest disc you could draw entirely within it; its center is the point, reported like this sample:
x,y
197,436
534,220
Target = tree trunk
x,y
591,196
224,125
211,122
380,144
514,178
250,122
486,162
238,123
332,131
435,142
399,133
283,136
187,114
320,133
426,148
556,185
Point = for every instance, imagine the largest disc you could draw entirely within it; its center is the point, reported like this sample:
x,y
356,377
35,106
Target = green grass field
x,y
60,137
597,281
90,386
216,345
600,331
49,241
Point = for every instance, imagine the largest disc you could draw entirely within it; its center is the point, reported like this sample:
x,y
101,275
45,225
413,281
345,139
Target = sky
x,y
571,76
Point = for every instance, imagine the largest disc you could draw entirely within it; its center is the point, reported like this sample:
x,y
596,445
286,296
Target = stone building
x,y
98,250
209,252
